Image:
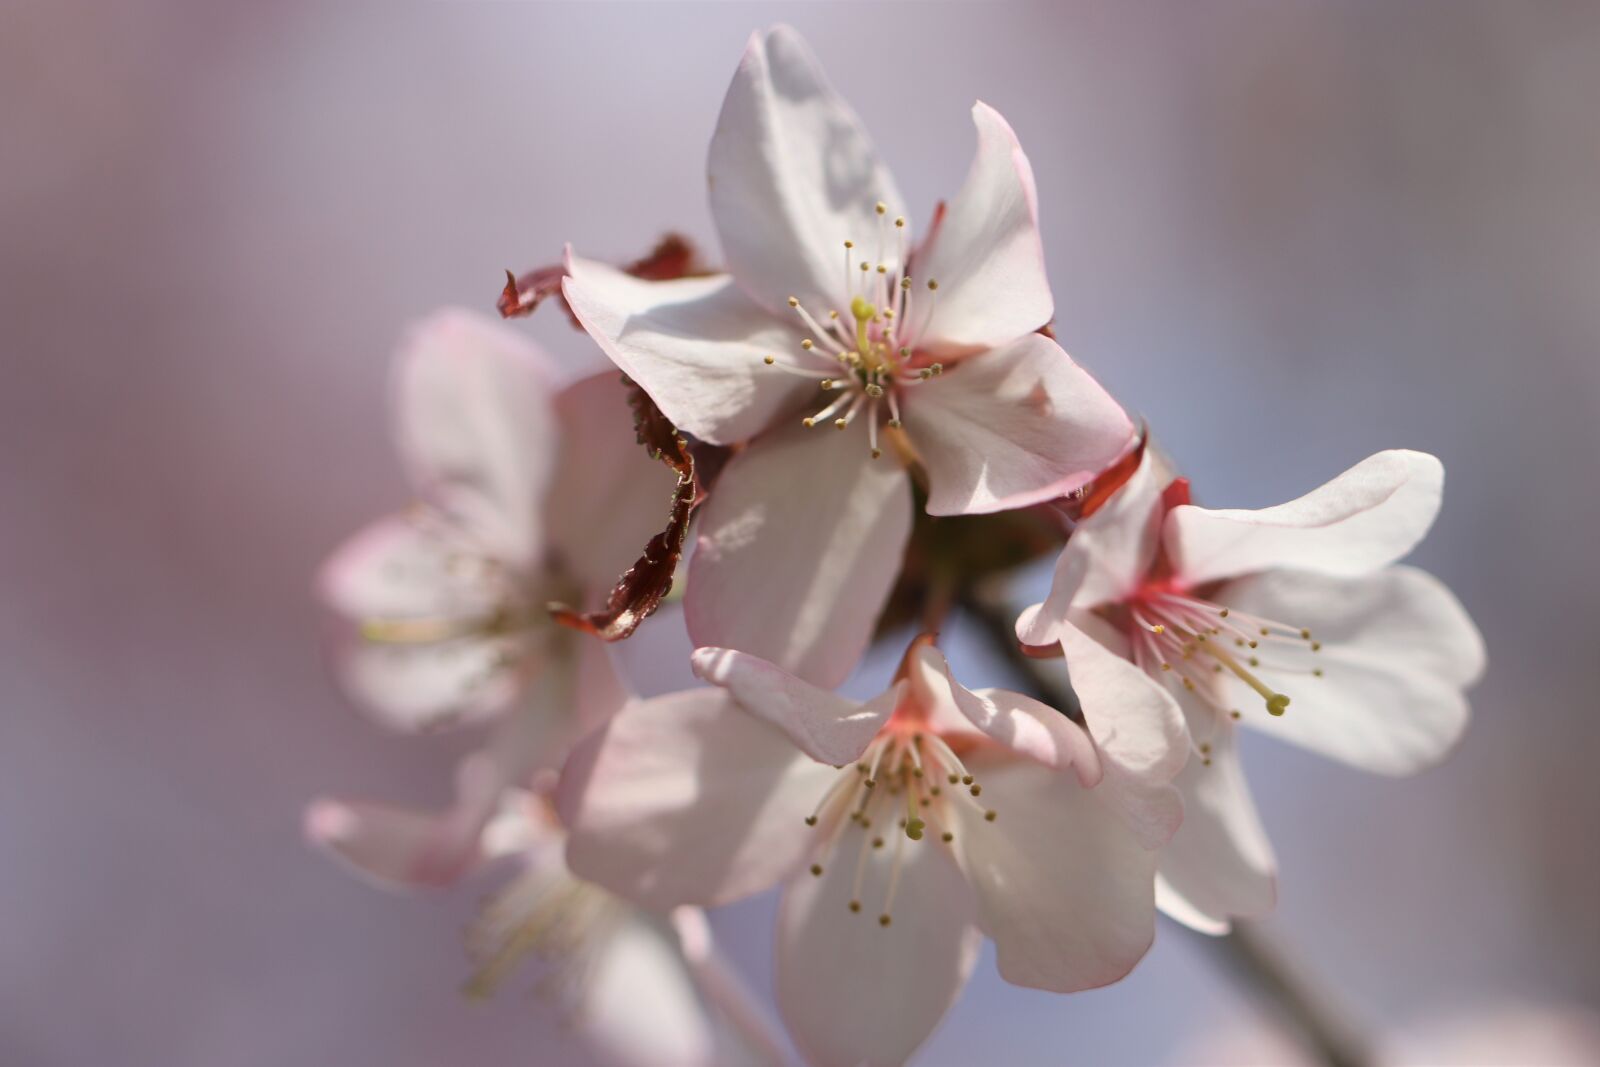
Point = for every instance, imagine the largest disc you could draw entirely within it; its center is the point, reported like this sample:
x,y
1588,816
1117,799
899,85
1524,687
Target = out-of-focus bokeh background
x,y
1287,234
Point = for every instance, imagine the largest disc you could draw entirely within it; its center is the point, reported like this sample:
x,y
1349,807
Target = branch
x,y
1263,968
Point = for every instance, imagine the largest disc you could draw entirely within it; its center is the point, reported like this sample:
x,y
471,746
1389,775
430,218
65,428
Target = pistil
x,y
875,360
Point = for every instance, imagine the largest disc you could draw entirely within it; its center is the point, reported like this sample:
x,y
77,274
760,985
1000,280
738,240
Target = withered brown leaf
x,y
643,586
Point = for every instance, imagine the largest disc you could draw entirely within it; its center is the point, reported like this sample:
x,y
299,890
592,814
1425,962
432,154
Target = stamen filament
x,y
827,412
816,327
1277,703
894,878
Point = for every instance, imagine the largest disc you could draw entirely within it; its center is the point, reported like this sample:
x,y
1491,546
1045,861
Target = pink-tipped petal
x,y
1121,539
698,346
798,548
987,255
1397,649
686,799
793,175
853,991
1219,866
1366,518
1020,723
822,724
1063,887
1012,426
1110,553
476,428
399,849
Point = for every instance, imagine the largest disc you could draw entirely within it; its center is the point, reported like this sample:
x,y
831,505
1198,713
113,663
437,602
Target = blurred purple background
x,y
1288,235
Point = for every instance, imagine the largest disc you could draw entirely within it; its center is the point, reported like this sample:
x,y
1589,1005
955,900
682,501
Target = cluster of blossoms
x,y
796,413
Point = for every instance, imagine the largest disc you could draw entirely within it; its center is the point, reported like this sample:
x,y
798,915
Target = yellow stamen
x,y
1276,702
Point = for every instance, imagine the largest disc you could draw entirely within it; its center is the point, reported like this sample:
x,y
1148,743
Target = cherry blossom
x,y
618,973
526,493
902,829
1293,620
844,354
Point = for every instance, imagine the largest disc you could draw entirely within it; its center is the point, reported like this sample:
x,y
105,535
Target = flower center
x,y
546,917
1193,644
906,781
867,353
493,599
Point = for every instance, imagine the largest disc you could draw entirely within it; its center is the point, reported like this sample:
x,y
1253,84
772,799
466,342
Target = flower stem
x,y
1245,953
1262,967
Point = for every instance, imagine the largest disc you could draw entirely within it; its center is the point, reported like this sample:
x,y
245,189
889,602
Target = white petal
x,y
798,548
759,1034
609,497
1176,907
1012,426
686,799
1220,864
793,175
1138,729
414,648
419,647
475,425
1020,723
854,992
396,848
1109,554
986,254
1122,537
421,687
411,567
696,345
641,1008
822,724
1366,518
1397,650
1064,888
577,690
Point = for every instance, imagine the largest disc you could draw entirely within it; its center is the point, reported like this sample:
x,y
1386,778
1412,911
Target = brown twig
x,y
1256,963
